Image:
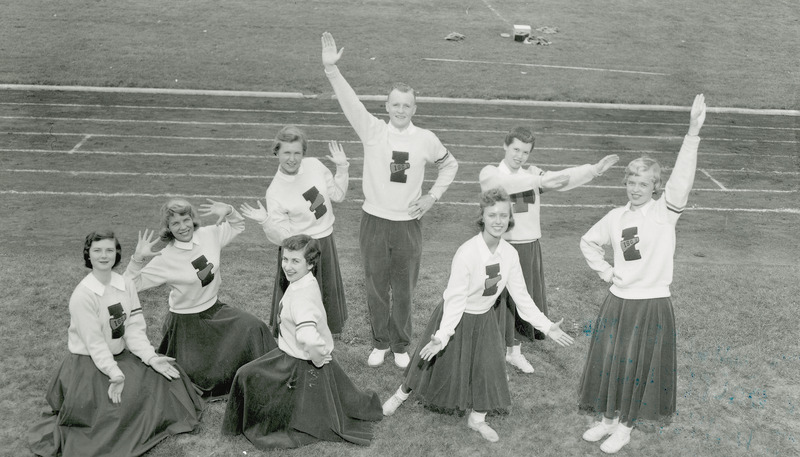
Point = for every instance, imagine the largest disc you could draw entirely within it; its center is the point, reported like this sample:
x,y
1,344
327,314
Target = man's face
x,y
401,106
517,154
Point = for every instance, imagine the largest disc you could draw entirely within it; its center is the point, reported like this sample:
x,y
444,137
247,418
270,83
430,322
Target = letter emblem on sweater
x,y
492,278
117,321
203,268
628,244
399,166
522,199
317,202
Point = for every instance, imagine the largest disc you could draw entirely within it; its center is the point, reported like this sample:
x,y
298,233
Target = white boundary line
x,y
706,125
354,178
712,179
80,143
470,101
561,67
496,13
221,197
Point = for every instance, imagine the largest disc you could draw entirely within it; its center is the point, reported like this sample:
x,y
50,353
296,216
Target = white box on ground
x,y
521,32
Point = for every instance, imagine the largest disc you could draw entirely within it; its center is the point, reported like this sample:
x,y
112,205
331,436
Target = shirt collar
x,y
407,131
304,282
187,245
504,168
644,209
483,249
92,283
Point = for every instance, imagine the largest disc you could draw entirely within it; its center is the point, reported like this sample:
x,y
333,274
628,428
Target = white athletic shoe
x,y
401,359
483,428
616,441
391,405
376,357
518,360
599,430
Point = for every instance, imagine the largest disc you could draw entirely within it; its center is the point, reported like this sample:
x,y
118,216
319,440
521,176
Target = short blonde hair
x,y
173,207
642,165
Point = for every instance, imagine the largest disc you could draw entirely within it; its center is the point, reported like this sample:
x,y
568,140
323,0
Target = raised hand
x,y
144,247
115,387
605,163
558,335
162,365
257,214
337,155
329,53
697,115
214,208
431,349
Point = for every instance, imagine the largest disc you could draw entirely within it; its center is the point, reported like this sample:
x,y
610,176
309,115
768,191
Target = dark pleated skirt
x,y
279,401
213,344
513,326
329,277
86,423
469,374
631,368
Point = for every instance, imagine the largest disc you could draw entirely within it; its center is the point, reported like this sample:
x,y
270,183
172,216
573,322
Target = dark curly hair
x,y
306,244
490,198
97,236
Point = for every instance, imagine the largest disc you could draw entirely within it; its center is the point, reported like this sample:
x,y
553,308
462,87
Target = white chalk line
x,y
442,100
712,179
496,13
356,159
706,126
348,127
80,143
539,65
446,203
353,178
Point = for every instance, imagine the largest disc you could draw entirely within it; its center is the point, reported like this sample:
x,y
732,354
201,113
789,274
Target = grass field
x,y
74,161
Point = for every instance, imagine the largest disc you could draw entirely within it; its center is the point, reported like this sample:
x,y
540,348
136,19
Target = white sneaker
x,y
616,441
483,428
518,360
401,359
391,405
376,357
599,430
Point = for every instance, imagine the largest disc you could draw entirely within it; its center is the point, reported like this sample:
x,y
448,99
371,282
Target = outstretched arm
x,y
337,187
676,191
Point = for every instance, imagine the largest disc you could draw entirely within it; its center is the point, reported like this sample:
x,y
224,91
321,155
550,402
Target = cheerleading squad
x,y
115,394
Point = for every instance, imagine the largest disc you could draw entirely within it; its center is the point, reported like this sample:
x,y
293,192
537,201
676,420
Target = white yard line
x,y
539,65
80,143
712,179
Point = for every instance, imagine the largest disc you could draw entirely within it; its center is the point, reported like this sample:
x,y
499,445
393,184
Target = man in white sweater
x,y
395,155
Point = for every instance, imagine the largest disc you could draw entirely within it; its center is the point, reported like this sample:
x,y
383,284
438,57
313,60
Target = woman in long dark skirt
x,y
298,394
208,338
630,373
462,367
112,395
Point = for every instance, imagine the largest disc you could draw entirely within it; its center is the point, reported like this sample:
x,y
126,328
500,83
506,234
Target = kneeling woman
x,y
463,366
208,338
298,394
112,395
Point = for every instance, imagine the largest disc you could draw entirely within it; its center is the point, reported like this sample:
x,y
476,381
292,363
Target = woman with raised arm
x,y
112,395
462,367
299,201
630,374
208,338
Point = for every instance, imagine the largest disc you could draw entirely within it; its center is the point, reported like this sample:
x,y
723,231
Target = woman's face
x,y
640,188
294,264
290,155
103,254
181,227
496,218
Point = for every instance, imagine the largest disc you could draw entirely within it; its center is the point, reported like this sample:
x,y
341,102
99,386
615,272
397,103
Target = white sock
x,y
607,421
623,429
476,417
402,395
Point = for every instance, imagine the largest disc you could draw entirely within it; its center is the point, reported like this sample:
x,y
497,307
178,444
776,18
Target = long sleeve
x,y
525,306
141,276
593,251
448,167
277,225
578,176
338,183
676,192
356,113
455,299
136,329
85,320
491,177
310,340
231,227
